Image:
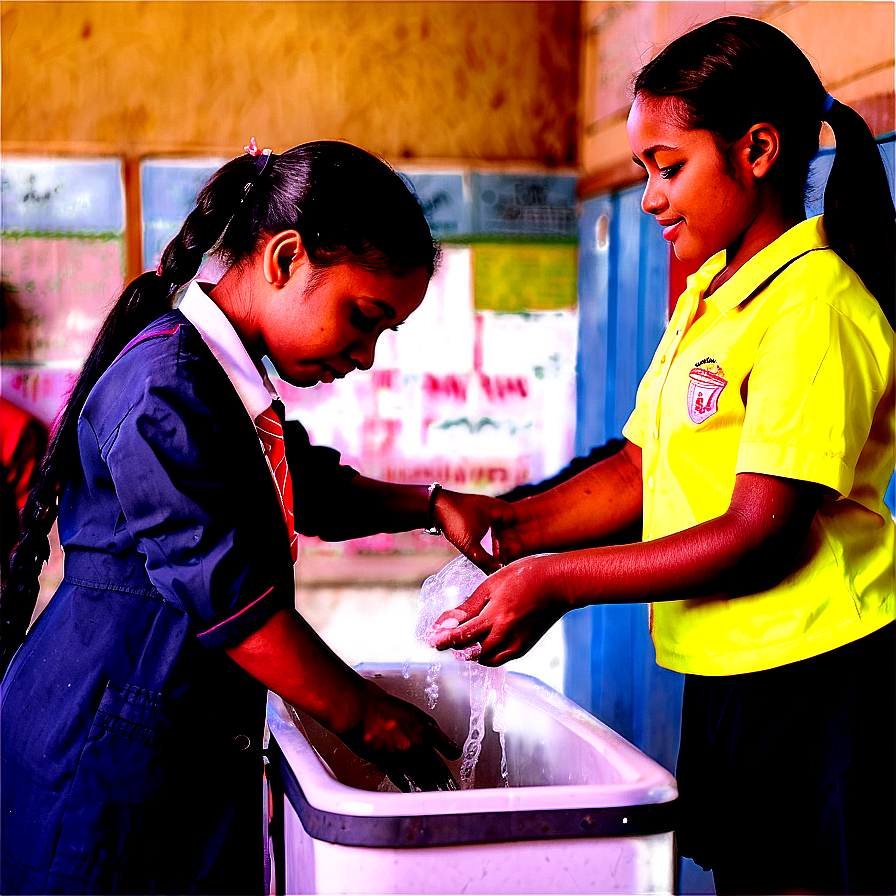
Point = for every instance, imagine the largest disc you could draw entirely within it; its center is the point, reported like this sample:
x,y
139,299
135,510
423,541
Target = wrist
x,y
559,577
432,526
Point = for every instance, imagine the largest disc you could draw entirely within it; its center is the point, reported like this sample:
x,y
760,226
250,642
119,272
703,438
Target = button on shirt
x,y
788,372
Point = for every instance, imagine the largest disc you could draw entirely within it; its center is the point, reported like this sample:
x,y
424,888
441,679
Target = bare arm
x,y
288,656
752,546
585,510
369,506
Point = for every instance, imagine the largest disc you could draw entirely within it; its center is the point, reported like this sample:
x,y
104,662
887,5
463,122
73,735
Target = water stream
x,y
448,588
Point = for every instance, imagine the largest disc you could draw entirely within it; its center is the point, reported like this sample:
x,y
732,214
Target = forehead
x,y
657,123
651,116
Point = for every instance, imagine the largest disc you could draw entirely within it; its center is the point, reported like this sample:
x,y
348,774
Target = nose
x,y
653,200
363,352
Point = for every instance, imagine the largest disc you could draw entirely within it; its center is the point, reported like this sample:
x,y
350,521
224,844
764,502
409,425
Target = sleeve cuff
x,y
789,462
248,620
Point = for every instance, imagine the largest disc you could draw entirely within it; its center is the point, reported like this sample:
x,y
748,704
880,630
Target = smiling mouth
x,y
670,227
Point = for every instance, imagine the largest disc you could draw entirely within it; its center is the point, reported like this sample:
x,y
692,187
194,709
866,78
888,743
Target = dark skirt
x,y
787,776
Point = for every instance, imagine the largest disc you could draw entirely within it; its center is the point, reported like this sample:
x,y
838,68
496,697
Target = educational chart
x,y
62,265
477,400
477,389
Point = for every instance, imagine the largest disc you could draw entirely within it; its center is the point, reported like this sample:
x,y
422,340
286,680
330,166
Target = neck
x,y
766,227
233,294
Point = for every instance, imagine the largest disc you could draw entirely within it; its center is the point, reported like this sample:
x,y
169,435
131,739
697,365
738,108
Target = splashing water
x,y
448,588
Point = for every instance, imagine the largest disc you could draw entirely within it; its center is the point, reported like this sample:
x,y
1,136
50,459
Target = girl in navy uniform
x,y
758,455
133,712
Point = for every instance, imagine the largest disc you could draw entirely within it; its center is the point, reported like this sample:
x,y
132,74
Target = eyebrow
x,y
653,150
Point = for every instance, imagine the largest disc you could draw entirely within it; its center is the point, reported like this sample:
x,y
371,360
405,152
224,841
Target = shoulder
x,y
822,279
168,363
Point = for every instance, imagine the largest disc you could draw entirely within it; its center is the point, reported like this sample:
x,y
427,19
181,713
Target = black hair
x,y
735,72
349,207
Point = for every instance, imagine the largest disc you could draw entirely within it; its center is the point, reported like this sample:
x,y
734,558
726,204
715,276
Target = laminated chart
x,y
62,266
477,389
168,191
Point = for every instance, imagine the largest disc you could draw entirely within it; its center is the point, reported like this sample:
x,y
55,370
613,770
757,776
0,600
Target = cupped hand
x,y
403,742
466,520
506,614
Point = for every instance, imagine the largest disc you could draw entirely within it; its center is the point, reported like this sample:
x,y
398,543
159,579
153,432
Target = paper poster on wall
x,y
446,201
524,276
168,191
77,197
62,267
37,389
544,343
439,336
525,205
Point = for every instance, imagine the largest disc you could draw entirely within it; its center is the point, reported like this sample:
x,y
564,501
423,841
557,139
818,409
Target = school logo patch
x,y
706,385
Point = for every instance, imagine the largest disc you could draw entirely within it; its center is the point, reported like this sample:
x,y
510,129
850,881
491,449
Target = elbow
x,y
767,562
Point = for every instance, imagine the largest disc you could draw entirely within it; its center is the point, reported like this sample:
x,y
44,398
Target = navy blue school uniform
x,y
131,743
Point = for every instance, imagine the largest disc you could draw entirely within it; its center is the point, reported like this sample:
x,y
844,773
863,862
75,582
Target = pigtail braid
x,y
858,207
351,207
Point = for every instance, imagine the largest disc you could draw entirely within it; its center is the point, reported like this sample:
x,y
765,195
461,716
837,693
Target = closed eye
x,y
671,170
364,323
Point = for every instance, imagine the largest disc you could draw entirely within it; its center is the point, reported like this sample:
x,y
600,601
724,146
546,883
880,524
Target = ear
x,y
763,145
282,253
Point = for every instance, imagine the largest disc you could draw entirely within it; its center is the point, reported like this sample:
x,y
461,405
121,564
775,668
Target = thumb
x,y
487,562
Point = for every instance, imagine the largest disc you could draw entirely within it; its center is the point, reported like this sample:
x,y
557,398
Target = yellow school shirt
x,y
789,372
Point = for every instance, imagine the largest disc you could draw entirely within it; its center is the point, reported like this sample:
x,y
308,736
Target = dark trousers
x,y
787,776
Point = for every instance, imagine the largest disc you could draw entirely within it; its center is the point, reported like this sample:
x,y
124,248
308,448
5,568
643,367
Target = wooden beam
x,y
133,218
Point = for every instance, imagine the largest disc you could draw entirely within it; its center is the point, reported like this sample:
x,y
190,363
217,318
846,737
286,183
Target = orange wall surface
x,y
485,81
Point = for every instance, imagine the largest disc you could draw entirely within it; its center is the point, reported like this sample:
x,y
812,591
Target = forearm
x,y
749,548
287,656
585,510
369,506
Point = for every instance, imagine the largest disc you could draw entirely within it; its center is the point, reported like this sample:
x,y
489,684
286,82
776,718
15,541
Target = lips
x,y
671,227
331,373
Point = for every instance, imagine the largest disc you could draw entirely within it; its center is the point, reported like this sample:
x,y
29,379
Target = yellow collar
x,y
762,267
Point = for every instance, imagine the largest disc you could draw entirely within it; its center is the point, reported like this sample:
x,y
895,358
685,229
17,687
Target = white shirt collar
x,y
254,388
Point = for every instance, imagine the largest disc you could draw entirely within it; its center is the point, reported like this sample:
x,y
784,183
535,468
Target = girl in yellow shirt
x,y
758,454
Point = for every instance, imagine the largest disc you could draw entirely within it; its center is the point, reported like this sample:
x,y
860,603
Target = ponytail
x,y
858,208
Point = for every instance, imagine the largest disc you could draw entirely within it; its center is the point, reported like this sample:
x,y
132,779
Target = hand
x,y
402,741
507,613
466,519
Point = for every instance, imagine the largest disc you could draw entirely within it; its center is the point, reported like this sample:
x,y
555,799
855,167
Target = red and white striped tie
x,y
270,431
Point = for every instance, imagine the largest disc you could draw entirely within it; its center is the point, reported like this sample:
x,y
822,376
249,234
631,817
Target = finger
x,y
419,769
482,558
497,657
462,636
435,737
464,612
496,547
444,744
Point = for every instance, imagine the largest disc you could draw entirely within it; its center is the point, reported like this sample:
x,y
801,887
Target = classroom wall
x,y
476,102
851,45
486,80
